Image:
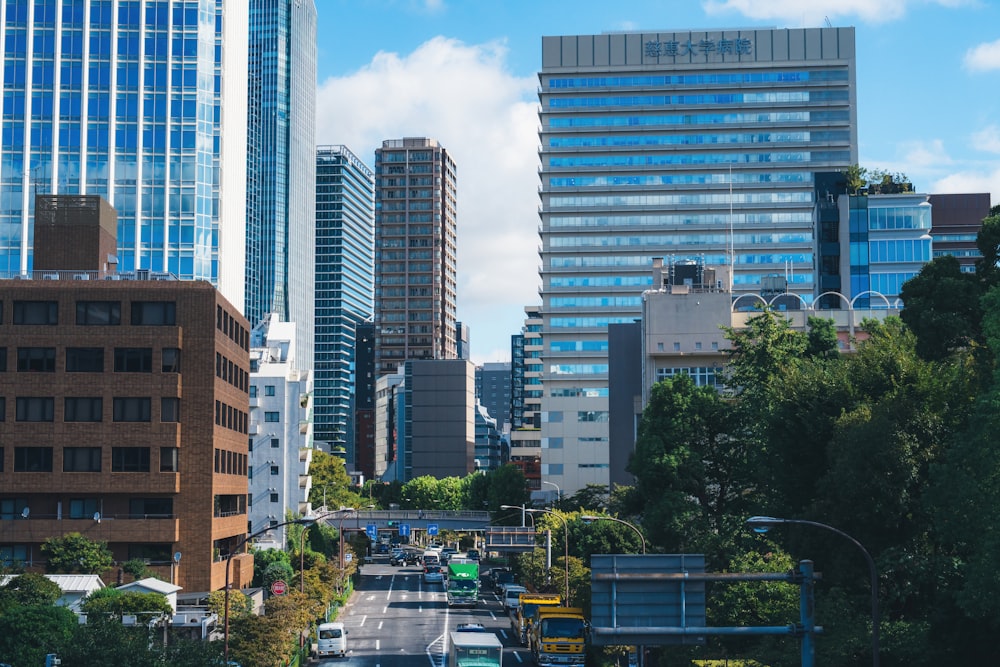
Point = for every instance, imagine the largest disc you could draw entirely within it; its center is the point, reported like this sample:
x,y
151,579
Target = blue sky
x,y
465,73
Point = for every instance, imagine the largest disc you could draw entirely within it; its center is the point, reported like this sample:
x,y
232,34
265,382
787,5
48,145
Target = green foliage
x,y
114,602
821,338
239,604
136,568
942,308
28,589
32,631
592,498
277,571
856,177
264,558
75,553
503,486
252,641
430,493
331,485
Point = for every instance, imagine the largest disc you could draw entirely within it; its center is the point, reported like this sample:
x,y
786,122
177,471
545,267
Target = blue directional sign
x,y
404,530
372,531
432,529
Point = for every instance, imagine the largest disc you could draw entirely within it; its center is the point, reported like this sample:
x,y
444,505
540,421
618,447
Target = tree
x,y
504,486
264,558
239,604
28,589
592,497
942,308
331,485
856,177
32,631
75,553
822,338
252,641
113,602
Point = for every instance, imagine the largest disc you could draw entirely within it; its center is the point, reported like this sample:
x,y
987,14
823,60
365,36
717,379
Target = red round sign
x,y
279,587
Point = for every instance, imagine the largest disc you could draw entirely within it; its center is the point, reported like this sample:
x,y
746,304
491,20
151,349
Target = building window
x,y
171,360
130,459
169,459
677,347
592,416
83,409
272,417
131,409
554,417
98,313
253,391
552,469
715,345
81,459
84,359
170,409
269,390
697,345
12,508
150,508
36,312
133,360
36,360
274,470
275,442
32,459
3,359
83,508
35,409
274,497
154,313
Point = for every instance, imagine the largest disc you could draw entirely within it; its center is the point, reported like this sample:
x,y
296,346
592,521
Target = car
x,y
412,557
511,596
397,558
501,577
473,554
433,573
470,627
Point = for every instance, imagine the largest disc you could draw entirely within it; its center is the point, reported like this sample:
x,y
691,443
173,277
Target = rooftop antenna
x,y
826,19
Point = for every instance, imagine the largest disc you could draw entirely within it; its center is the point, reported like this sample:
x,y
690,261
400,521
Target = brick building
x,y
125,405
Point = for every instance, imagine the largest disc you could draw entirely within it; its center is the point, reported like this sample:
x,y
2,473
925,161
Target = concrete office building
x,y
143,103
957,219
416,272
493,391
281,430
687,145
281,167
124,401
345,287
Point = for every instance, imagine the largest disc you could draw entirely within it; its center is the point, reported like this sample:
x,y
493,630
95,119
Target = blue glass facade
x,y
281,166
345,288
121,99
650,151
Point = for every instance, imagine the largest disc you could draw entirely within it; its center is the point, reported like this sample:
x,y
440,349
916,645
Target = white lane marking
x,y
361,624
370,598
379,626
385,610
502,631
516,654
377,641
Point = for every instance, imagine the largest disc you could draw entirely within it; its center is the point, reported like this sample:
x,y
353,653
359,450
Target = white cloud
x,y
814,12
463,96
970,181
923,154
983,57
987,139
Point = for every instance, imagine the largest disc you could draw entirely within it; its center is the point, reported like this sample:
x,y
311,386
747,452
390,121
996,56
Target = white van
x,y
511,597
331,640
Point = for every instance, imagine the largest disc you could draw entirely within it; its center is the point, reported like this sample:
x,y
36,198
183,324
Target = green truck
x,y
475,649
463,584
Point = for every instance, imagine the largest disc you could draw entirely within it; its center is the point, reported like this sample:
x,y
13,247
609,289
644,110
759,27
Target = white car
x,y
511,597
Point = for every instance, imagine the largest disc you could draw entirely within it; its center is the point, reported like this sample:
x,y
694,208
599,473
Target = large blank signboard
x,y
510,538
633,595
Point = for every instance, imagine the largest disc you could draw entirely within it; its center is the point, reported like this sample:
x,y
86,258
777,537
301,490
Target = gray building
x,y
493,390
687,145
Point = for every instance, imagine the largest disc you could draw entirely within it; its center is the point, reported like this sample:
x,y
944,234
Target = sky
x,y
465,73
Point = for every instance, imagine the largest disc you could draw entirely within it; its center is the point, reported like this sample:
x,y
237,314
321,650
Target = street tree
x,y
30,588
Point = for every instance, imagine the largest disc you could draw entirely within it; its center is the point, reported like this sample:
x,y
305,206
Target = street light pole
x,y
229,560
565,548
558,490
762,524
617,520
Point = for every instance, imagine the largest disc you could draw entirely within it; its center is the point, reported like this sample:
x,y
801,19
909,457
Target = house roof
x,y
152,584
69,583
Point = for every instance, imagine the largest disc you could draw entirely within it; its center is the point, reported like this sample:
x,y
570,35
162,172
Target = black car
x,y
397,558
501,577
412,557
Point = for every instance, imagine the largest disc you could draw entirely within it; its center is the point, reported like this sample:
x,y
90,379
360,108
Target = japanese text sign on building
x,y
673,48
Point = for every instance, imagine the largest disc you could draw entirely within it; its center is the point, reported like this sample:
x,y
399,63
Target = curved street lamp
x,y
229,559
558,490
604,517
761,524
565,540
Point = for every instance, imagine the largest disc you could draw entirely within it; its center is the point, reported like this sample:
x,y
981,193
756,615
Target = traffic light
x,y
390,523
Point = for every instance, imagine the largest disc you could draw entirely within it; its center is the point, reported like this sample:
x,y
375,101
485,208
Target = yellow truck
x,y
559,637
527,611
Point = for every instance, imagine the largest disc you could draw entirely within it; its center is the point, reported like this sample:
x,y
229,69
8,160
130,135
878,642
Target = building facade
x,y
416,271
281,430
129,100
281,167
689,145
957,219
125,406
493,391
345,264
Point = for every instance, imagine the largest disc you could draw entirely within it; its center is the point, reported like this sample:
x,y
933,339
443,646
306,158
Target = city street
x,y
394,619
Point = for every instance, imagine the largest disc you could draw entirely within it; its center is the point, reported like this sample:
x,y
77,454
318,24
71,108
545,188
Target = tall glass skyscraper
x,y
682,145
281,167
345,266
128,99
